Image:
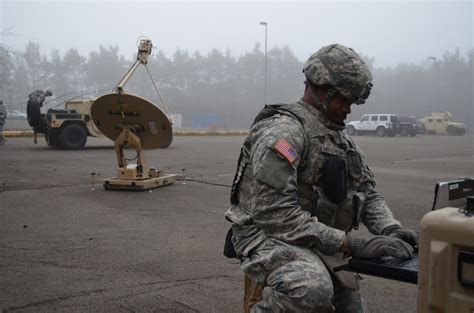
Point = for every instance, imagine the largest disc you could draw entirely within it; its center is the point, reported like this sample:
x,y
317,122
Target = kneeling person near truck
x,y
33,109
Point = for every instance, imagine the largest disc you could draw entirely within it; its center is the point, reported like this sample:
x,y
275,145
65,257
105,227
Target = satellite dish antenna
x,y
133,122
113,112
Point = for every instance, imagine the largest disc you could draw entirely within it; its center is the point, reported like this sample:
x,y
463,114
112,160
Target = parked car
x,y
420,127
378,124
407,126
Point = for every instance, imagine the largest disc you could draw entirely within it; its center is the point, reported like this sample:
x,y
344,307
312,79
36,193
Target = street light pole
x,y
265,90
433,81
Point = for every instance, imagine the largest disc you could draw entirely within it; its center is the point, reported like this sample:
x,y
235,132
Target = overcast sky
x,y
392,32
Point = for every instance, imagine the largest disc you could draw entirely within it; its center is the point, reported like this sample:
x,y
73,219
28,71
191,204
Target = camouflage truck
x,y
68,128
443,123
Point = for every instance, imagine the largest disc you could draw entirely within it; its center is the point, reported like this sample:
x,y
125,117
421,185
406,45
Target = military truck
x,y
443,123
68,128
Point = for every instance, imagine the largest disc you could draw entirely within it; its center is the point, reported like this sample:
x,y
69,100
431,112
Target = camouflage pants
x,y
296,280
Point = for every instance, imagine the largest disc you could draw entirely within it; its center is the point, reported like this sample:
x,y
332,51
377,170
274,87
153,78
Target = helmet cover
x,y
341,68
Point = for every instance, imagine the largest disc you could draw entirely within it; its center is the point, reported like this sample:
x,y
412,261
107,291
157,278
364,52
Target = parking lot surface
x,y
68,245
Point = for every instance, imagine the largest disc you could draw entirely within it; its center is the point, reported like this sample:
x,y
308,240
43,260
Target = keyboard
x,y
405,270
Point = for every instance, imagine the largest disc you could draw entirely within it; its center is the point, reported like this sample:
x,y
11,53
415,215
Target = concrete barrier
x,y
18,133
210,133
29,133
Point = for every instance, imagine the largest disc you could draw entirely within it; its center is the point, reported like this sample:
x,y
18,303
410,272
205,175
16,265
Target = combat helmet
x,y
343,70
48,92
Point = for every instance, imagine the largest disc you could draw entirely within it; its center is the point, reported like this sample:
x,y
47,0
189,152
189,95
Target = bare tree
x,y
6,64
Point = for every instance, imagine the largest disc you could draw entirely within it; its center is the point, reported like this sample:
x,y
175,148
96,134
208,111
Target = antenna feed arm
x,y
144,50
127,76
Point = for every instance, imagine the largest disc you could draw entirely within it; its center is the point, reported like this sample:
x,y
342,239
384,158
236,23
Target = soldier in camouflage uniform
x,y
33,109
301,186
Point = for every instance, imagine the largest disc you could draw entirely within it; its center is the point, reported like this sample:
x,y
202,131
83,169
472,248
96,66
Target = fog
x,y
209,56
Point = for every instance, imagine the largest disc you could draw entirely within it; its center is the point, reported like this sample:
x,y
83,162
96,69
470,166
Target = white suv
x,y
378,124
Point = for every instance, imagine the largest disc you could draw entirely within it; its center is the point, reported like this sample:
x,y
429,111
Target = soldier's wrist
x,y
344,248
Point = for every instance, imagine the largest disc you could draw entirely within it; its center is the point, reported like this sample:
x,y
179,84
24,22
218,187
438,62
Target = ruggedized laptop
x,y
446,194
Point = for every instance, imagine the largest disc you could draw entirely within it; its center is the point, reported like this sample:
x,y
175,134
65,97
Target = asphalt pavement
x,y
68,245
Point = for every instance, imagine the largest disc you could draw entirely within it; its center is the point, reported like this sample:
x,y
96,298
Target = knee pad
x,y
303,286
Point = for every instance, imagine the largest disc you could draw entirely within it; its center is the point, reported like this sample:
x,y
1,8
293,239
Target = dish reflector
x,y
112,112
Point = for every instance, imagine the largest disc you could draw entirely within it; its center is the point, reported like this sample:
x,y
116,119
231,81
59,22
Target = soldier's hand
x,y
407,235
377,246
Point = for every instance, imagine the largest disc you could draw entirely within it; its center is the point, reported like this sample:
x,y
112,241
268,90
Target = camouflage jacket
x,y
37,96
273,193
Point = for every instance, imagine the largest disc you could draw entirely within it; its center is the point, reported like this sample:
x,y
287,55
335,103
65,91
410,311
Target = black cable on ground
x,y
206,182
98,182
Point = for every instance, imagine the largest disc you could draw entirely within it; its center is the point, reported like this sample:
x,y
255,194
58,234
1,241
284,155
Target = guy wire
x,y
156,88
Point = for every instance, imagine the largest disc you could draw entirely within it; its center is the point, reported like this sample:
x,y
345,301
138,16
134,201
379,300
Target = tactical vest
x,y
321,143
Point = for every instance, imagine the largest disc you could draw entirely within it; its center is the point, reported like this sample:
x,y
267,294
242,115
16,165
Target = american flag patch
x,y
285,150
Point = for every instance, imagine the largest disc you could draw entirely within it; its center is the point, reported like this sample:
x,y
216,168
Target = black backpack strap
x,y
229,250
234,193
266,112
272,109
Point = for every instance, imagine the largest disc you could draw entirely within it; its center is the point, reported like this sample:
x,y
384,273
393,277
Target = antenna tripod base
x,y
138,177
139,184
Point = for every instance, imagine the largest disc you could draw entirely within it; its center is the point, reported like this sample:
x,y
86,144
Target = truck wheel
x,y
404,132
451,131
73,137
380,131
52,139
351,130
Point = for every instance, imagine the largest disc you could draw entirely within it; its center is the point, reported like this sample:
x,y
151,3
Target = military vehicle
x,y
443,123
68,128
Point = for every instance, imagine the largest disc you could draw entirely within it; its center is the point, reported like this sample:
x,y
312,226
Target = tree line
x,y
229,90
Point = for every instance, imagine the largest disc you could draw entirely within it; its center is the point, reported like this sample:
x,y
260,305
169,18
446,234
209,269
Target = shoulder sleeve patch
x,y
273,171
285,151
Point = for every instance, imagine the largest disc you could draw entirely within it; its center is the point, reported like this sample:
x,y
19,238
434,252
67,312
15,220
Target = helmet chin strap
x,y
322,104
